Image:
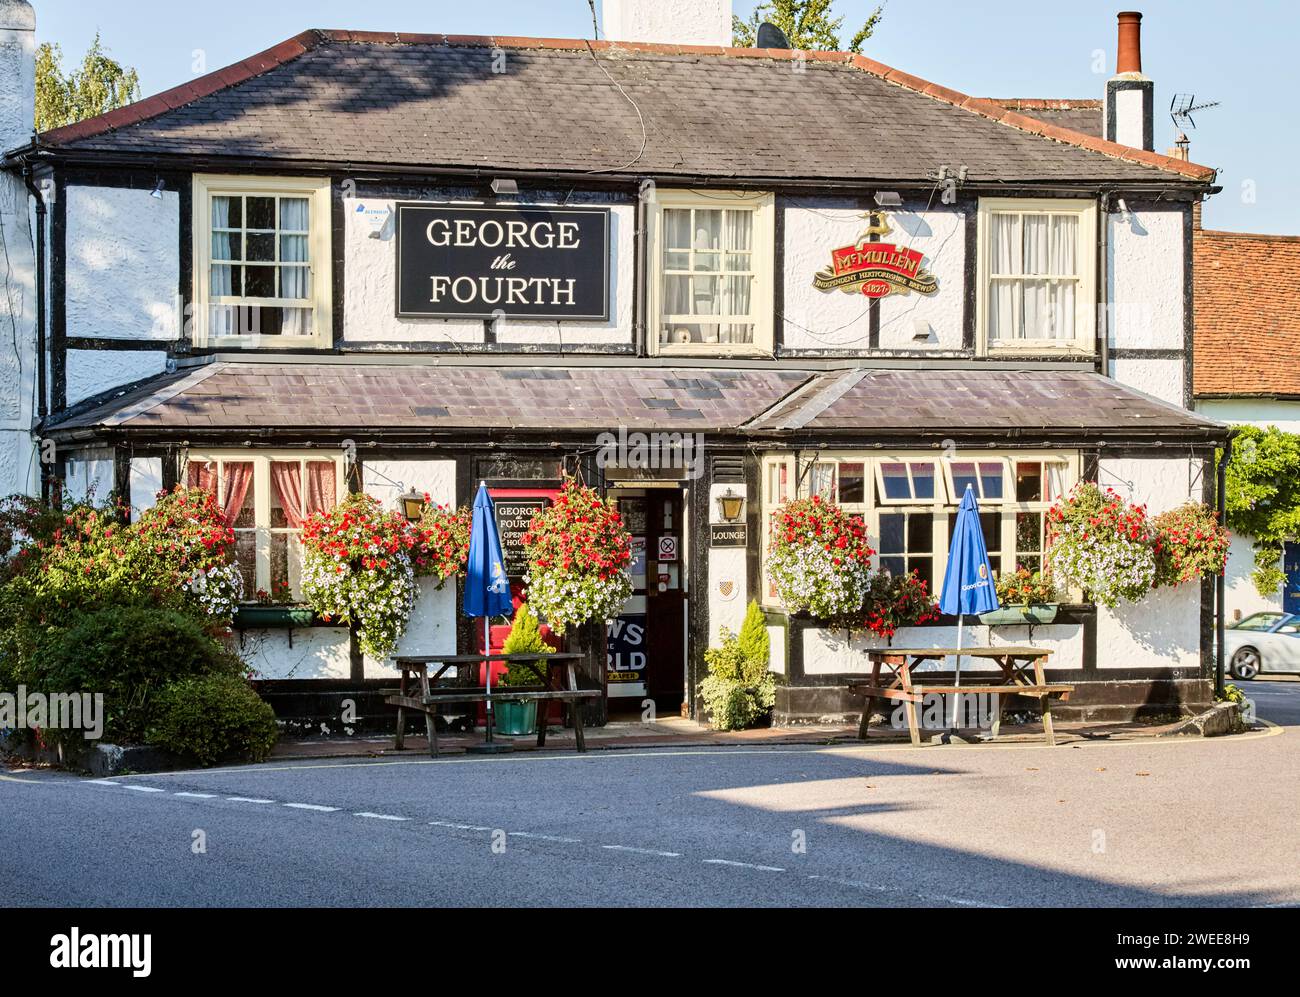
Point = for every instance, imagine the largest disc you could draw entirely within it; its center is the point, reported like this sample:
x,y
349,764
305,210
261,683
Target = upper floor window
x,y
1037,275
711,287
262,261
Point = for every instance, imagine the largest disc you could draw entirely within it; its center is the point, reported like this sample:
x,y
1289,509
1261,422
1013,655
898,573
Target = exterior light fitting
x,y
502,185
887,199
159,186
412,505
733,506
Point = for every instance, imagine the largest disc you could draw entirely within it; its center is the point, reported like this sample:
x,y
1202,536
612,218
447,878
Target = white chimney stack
x,y
669,22
1130,96
17,73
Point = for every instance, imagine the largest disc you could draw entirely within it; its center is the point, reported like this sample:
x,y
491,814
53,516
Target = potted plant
x,y
895,601
740,688
819,559
519,716
1103,544
1193,544
1026,597
578,555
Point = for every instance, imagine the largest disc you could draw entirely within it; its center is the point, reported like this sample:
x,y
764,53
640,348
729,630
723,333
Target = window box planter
x,y
514,717
1021,616
267,617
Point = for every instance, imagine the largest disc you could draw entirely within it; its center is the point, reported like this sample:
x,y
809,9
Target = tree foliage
x,y
100,84
1263,496
807,23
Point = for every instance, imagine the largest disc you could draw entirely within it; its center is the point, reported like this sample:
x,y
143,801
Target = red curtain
x,y
239,478
286,480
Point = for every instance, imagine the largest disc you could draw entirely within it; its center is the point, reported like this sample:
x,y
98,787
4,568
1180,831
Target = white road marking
x,y
312,806
247,799
458,827
924,897
744,865
101,782
642,851
144,789
197,796
366,813
545,837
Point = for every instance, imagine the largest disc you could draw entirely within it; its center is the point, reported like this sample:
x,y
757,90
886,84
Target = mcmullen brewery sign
x,y
516,262
876,268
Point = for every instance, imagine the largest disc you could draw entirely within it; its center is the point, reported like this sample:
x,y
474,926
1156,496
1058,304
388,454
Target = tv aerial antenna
x,y
1183,106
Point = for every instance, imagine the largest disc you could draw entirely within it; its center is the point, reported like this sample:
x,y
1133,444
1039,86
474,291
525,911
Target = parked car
x,y
1263,642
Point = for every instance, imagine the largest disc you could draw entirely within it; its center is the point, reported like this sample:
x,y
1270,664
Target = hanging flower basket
x,y
1102,544
578,555
819,560
1193,544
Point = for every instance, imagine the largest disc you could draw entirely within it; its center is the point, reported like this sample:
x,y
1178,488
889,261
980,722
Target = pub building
x,y
706,279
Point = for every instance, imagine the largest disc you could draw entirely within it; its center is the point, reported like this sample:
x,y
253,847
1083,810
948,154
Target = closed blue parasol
x,y
968,583
487,589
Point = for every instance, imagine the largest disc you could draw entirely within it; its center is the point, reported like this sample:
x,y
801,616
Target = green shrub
x,y
129,653
739,688
213,717
525,637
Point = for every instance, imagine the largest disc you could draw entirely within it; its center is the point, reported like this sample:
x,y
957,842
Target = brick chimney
x,y
671,22
1130,96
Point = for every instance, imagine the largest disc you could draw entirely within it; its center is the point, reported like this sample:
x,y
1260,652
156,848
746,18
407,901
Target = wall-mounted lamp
x,y
502,185
412,505
887,199
159,186
732,506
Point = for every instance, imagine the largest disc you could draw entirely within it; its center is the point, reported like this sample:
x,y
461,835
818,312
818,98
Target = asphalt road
x,y
1158,822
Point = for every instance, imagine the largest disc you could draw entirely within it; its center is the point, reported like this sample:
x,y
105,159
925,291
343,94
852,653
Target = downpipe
x,y
1221,582
42,390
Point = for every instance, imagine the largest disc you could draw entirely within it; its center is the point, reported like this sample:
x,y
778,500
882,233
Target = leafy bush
x,y
213,717
1192,544
739,688
819,559
1103,544
578,555
525,637
128,653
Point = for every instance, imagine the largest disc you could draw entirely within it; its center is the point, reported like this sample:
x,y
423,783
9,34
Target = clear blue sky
x,y
1243,54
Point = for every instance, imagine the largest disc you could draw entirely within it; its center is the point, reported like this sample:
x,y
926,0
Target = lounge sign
x,y
876,269
514,262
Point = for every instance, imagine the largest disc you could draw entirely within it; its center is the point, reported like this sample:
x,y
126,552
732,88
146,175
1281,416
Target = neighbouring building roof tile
x,y
1247,299
569,105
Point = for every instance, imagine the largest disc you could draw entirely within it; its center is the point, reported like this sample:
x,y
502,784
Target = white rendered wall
x,y
1163,629
89,476
728,575
316,653
370,279
145,482
1241,595
123,263
91,372
834,320
674,22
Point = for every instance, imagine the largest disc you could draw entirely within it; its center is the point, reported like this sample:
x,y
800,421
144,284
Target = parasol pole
x,y
956,696
487,649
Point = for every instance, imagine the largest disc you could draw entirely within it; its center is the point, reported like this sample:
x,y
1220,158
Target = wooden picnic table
x,y
1021,674
432,695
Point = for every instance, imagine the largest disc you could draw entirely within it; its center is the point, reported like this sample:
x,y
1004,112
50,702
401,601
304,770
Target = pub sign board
x,y
514,261
513,517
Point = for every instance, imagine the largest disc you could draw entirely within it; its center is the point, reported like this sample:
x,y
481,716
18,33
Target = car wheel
x,y
1245,663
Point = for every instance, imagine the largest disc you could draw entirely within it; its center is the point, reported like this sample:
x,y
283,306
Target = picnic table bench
x,y
1015,664
432,695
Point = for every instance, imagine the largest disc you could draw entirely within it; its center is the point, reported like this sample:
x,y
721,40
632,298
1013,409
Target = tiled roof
x,y
1077,115
572,106
975,400
1247,295
375,397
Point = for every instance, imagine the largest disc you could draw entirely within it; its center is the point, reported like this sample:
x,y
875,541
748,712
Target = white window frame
x,y
320,263
261,461
762,257
940,508
880,463
1084,342
977,459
